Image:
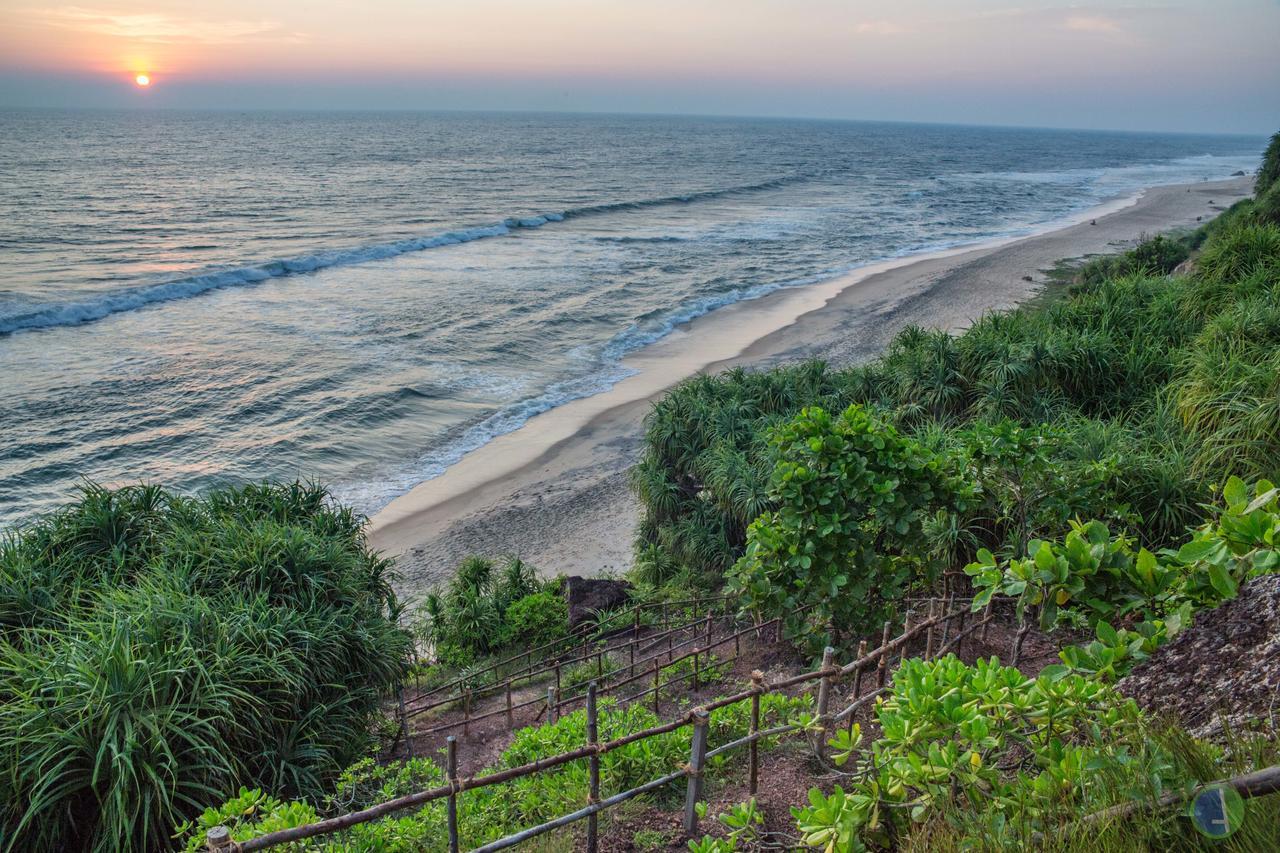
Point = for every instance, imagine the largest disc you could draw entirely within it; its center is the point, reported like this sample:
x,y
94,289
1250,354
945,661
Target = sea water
x,y
194,299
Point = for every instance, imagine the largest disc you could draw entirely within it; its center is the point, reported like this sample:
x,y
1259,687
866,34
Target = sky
x,y
1177,65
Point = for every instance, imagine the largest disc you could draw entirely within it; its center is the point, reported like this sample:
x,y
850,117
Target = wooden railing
x,y
943,627
577,649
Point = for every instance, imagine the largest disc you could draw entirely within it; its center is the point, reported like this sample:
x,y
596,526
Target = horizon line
x,y
620,114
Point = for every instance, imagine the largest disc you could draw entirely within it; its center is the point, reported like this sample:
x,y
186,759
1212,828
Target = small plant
x,y
651,839
743,823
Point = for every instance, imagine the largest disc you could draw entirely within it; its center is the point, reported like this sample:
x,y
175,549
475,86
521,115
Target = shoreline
x,y
554,490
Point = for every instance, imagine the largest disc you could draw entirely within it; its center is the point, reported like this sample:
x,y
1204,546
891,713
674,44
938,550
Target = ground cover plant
x,y
486,814
981,757
158,651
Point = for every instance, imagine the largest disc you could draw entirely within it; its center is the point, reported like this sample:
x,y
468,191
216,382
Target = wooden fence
x,y
645,655
944,628
462,689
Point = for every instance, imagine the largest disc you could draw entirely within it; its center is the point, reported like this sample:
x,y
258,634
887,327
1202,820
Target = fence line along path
x,y
943,628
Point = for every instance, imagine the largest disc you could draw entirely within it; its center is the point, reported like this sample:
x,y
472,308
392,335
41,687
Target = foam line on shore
x,y
712,339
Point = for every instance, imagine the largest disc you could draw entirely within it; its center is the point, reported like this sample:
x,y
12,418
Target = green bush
x,y
469,618
1095,578
851,494
158,652
537,619
1124,401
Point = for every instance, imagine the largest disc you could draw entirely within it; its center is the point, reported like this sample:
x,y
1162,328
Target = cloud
x,y
880,28
1093,24
164,29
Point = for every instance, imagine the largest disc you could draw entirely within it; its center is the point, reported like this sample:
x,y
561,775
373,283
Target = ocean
x,y
195,299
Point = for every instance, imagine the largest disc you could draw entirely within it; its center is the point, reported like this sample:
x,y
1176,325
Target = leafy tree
x,y
852,493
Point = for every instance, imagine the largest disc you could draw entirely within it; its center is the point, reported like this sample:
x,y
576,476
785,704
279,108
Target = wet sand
x,y
554,491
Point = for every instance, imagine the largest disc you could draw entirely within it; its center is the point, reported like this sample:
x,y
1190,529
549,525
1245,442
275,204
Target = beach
x,y
555,492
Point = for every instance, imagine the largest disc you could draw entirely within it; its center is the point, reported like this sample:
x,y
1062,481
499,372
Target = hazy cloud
x,y
1093,24
158,28
880,28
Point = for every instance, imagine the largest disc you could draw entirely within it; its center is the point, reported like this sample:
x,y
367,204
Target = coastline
x,y
555,491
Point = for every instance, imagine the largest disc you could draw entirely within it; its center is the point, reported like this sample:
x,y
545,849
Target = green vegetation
x,y
851,496
481,612
492,812
1269,172
157,652
982,757
1096,579
1123,403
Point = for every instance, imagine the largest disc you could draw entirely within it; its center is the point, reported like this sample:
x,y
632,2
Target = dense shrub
x,y
1123,401
472,616
158,651
851,496
537,619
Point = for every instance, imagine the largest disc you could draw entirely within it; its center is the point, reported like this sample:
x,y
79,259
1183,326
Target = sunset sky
x,y
1211,65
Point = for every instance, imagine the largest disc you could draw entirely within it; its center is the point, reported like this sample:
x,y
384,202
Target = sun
x,y
142,80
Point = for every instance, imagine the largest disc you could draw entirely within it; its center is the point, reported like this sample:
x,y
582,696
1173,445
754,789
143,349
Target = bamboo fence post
x,y
906,629
697,758
670,648
1024,628
928,634
857,675
695,670
631,667
466,712
511,721
948,606
557,678
599,664
218,839
708,641
551,704
824,698
451,743
593,795
757,686
882,664
657,674
737,644
404,725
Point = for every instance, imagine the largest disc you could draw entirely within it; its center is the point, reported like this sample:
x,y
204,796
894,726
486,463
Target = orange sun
x,y
142,80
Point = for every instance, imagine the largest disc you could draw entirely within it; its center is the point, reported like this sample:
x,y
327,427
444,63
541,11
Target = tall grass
x,y
157,652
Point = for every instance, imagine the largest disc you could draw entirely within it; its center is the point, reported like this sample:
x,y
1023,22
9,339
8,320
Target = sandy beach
x,y
554,491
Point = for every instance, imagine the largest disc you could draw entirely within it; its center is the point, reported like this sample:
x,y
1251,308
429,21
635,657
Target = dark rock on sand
x,y
1222,671
588,596
1239,174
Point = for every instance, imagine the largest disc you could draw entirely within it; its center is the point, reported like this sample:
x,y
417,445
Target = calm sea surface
x,y
202,298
